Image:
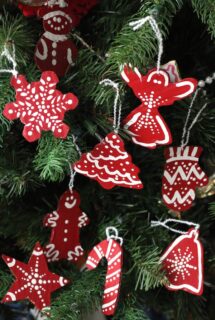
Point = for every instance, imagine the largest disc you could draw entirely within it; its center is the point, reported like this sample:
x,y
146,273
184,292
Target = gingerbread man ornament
x,y
66,223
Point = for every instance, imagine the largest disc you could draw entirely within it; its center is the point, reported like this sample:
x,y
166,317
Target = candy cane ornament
x,y
112,251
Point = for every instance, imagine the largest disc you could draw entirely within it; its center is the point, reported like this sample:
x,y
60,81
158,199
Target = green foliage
x,y
54,157
206,11
16,31
81,298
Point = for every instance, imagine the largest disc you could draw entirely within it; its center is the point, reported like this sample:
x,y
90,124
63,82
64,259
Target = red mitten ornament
x,y
145,124
65,224
183,263
33,281
40,106
109,164
112,251
182,175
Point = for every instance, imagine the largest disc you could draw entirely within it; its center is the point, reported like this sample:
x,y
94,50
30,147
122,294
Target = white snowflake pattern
x,y
180,265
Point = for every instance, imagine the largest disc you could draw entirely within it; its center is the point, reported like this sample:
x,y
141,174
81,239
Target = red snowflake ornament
x,y
66,223
182,175
145,124
183,263
33,280
112,251
109,164
40,106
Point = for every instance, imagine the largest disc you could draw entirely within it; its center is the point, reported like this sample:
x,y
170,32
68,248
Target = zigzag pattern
x,y
178,198
185,177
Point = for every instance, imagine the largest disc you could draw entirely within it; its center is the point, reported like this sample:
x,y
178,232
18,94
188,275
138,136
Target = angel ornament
x,y
145,124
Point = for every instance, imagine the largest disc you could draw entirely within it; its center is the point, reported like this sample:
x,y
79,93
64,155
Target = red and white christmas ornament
x,y
33,281
66,223
109,164
183,260
55,51
110,249
182,175
145,124
40,106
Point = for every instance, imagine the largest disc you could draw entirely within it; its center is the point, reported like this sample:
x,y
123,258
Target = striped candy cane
x,y
112,251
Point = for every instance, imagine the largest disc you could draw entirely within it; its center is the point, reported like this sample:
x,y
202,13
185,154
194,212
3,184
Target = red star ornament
x,y
182,175
183,263
40,106
145,124
33,280
109,164
66,223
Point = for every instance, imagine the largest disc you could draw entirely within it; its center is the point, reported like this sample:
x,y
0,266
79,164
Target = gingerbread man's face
x,y
69,200
57,22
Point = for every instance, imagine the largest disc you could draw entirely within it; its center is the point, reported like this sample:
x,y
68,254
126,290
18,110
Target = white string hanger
x,y
195,120
72,172
112,233
11,57
117,103
139,23
164,224
186,131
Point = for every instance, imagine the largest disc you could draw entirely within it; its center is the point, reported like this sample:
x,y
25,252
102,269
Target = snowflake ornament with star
x,y
183,263
33,281
145,124
40,106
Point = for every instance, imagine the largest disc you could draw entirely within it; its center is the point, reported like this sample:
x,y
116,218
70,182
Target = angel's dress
x,y
147,127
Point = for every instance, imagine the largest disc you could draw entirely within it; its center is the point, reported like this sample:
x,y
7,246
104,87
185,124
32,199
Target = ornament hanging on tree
x,y
33,280
40,106
182,175
55,51
112,251
109,164
183,263
30,7
145,124
183,259
66,222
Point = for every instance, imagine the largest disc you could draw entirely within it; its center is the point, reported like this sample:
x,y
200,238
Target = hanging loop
x,y
139,23
164,224
117,103
112,233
